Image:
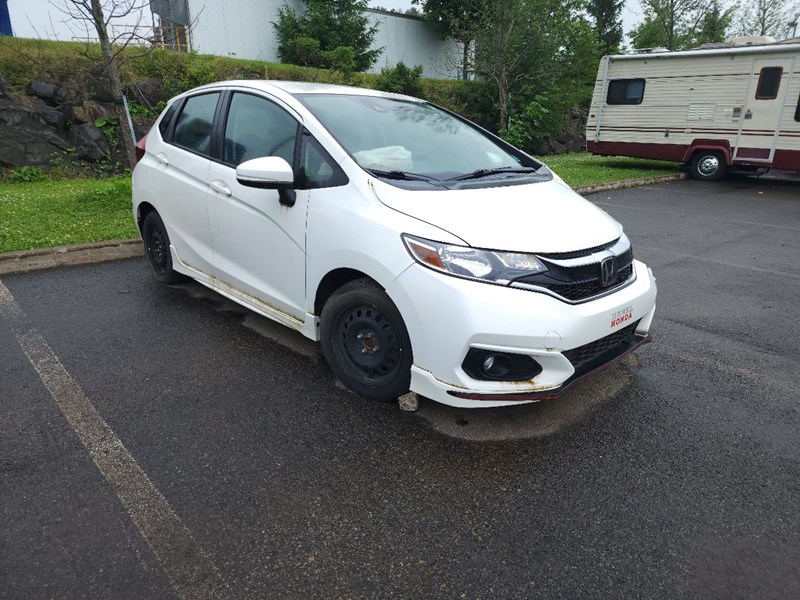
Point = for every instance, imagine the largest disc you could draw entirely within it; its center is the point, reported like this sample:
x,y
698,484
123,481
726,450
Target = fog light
x,y
490,365
496,366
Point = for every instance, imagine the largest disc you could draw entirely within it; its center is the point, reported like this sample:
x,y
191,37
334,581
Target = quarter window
x,y
163,125
625,91
193,129
318,169
257,127
769,81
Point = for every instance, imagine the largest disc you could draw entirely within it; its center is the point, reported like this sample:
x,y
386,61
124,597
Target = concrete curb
x,y
80,254
628,183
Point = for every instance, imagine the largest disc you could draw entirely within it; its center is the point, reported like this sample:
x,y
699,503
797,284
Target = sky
x,y
40,18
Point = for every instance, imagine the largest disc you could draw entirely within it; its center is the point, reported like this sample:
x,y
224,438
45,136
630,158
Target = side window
x,y
318,169
797,111
163,124
257,127
769,81
193,128
625,91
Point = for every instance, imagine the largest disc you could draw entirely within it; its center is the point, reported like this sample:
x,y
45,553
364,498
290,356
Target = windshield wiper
x,y
404,175
486,172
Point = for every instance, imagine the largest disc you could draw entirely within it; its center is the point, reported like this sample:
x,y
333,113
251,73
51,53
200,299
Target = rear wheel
x,y
365,341
708,165
156,246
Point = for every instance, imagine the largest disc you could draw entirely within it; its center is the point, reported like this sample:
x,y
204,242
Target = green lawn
x,y
582,168
56,213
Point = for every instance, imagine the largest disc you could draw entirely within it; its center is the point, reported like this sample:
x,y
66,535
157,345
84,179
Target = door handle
x,y
162,158
221,187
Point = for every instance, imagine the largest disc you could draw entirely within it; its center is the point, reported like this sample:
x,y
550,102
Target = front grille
x,y
583,354
581,290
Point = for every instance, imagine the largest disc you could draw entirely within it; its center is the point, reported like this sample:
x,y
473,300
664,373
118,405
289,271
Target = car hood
x,y
543,217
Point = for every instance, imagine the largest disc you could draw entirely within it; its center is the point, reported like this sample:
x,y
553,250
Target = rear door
x,y
179,177
764,105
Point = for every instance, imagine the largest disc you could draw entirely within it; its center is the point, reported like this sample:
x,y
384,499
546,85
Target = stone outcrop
x,y
51,119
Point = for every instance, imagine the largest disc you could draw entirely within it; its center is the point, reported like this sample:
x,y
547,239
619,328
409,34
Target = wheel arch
x,y
332,281
722,146
144,209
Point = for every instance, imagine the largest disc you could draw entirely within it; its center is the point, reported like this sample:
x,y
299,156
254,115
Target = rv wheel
x,y
708,165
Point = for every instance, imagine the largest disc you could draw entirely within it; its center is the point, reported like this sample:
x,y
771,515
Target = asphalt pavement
x,y
162,442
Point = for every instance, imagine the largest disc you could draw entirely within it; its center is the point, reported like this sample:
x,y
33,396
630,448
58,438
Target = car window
x,y
769,82
625,91
391,134
318,169
257,127
193,129
163,125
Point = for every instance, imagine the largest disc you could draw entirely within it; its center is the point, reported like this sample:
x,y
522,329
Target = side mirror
x,y
267,173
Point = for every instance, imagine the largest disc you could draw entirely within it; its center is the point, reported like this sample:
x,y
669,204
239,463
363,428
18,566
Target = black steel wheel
x,y
156,246
365,341
708,165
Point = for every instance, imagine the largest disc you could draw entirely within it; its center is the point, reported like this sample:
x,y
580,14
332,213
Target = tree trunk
x,y
465,59
112,72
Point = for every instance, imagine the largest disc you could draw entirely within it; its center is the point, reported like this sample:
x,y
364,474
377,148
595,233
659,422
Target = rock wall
x,y
50,120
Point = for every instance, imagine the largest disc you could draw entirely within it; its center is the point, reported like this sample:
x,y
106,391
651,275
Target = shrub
x,y
401,80
27,175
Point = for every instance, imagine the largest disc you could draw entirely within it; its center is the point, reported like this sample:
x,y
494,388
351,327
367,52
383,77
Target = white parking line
x,y
188,567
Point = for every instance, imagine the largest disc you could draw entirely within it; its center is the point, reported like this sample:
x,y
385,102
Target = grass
x,y
56,213
581,168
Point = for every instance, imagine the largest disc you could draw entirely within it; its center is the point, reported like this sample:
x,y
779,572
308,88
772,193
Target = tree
x,y
97,14
670,23
458,19
535,51
330,33
765,17
715,24
607,23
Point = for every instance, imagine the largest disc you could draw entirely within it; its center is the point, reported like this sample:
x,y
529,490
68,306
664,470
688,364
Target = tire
x,y
365,341
708,165
156,247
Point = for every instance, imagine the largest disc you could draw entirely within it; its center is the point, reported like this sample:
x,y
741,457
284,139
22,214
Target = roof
x,y
776,48
303,87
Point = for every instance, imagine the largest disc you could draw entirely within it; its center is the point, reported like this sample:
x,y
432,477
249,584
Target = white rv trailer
x,y
714,109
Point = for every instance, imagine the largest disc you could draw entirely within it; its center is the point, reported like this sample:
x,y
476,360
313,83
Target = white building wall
x,y
243,29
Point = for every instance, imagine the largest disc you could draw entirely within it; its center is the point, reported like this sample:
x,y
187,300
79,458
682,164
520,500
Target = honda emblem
x,y
608,271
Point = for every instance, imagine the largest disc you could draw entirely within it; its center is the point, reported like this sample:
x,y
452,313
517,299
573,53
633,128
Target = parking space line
x,y
189,569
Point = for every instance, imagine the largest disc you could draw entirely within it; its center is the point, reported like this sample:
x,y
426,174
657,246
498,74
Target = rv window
x,y
768,83
797,111
625,91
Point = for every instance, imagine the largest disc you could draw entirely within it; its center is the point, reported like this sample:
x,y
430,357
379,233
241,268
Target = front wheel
x,y
365,341
156,246
708,165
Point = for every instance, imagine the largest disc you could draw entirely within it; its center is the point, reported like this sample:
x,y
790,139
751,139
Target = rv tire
x,y
708,165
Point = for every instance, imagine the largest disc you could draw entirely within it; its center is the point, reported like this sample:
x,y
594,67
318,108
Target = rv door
x,y
761,114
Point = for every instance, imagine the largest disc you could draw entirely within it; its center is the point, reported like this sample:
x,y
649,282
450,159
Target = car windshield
x,y
413,141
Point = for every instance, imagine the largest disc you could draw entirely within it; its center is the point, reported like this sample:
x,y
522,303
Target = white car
x,y
425,253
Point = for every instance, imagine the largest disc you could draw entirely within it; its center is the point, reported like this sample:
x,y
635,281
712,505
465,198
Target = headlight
x,y
461,261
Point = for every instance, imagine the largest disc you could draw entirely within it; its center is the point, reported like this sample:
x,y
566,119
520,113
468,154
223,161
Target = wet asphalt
x,y
675,474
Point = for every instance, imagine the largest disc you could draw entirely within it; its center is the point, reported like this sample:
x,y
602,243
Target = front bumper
x,y
446,316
